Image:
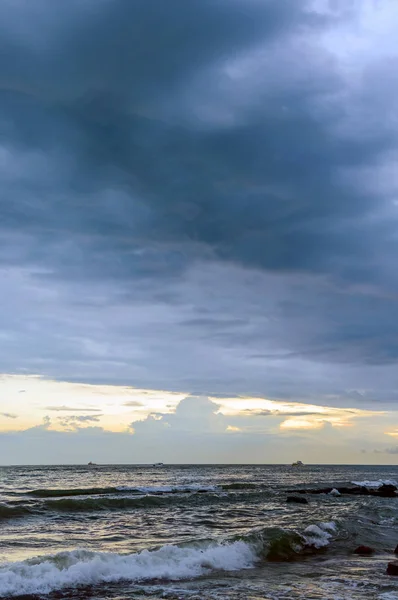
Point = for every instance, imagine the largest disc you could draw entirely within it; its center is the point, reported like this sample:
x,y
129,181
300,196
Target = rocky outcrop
x,y
396,550
388,491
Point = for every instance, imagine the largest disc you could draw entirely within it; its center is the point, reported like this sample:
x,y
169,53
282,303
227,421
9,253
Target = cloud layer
x,y
201,198
199,429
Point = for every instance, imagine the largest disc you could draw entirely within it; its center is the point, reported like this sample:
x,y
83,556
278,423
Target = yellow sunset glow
x,y
392,433
29,401
31,398
301,424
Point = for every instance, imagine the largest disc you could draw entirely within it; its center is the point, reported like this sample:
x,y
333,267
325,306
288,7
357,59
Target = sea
x,y
194,532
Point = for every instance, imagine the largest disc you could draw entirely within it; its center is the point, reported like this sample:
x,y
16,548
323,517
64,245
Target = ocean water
x,y
193,532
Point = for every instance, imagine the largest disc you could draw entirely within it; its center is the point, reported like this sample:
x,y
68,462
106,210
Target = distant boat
x,y
91,464
158,464
298,463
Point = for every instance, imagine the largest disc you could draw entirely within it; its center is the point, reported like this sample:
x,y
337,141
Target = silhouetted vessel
x,y
298,463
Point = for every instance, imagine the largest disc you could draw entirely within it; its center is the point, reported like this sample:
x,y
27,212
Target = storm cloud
x,y
201,196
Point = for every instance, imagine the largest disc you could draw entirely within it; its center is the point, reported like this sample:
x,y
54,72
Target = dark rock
x,y
396,550
297,499
392,568
387,491
364,550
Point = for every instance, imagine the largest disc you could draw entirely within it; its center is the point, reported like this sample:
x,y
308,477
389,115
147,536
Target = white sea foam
x,y
319,535
374,485
80,567
167,489
334,492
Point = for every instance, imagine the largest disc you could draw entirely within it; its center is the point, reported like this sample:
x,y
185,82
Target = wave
x,y
239,486
375,485
319,536
288,545
98,491
104,503
126,502
58,493
165,489
11,512
81,568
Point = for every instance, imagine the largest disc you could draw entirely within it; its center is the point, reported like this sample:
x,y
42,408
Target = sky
x,y
198,231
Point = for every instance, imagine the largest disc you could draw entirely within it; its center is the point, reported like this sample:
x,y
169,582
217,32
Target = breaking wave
x,y
375,485
81,568
319,536
287,545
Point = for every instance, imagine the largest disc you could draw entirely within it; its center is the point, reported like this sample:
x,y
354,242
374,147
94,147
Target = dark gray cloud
x,y
252,192
8,415
197,197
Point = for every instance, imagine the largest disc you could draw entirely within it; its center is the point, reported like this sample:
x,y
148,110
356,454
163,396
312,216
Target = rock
x,y
387,491
364,550
297,499
392,568
396,550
